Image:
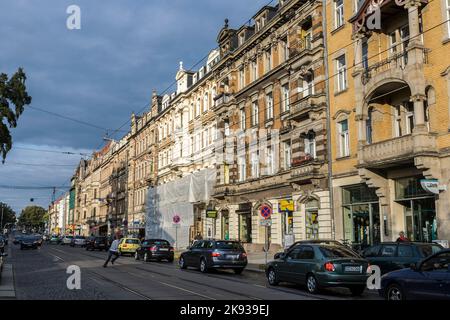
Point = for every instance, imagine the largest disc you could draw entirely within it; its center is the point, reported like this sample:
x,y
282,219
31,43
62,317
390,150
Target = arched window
x,y
312,219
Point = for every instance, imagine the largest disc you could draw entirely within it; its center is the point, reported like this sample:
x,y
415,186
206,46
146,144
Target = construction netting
x,y
176,199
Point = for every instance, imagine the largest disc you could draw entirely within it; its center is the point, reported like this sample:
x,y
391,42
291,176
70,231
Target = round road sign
x,y
176,219
266,211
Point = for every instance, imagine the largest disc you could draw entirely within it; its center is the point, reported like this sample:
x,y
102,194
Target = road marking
x,y
186,290
55,256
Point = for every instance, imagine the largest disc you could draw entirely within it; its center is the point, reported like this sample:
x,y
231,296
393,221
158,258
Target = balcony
x,y
306,168
222,99
304,105
397,151
300,46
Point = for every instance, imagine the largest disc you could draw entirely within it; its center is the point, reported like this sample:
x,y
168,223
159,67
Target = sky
x,y
98,74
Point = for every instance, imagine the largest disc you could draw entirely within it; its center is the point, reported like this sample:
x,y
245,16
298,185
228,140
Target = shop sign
x,y
430,185
211,214
286,205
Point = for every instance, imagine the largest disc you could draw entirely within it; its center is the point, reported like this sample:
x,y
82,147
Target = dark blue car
x,y
428,279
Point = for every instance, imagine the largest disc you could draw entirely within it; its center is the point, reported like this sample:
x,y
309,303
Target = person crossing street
x,y
113,251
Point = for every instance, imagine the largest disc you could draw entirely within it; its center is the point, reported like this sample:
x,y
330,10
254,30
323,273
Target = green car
x,y
318,266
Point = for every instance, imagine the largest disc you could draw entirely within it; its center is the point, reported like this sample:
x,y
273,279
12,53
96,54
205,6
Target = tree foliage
x,y
32,216
9,216
13,98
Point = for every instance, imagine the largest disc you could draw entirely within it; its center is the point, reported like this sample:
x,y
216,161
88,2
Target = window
x,y
255,113
242,119
285,49
268,58
405,251
341,71
344,138
197,108
227,128
369,125
242,169
241,78
308,84
255,164
448,18
365,54
286,155
269,106
241,38
269,161
285,98
388,250
254,70
307,253
205,102
310,145
338,13
372,251
409,108
398,121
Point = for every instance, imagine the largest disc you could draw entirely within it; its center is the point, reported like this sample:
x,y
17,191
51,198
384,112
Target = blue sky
x,y
99,74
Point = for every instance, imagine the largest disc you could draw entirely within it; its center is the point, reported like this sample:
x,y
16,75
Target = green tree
x,y
33,217
9,216
13,98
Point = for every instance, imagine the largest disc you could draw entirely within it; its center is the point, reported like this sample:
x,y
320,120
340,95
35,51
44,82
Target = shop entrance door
x,y
365,219
245,227
225,225
420,219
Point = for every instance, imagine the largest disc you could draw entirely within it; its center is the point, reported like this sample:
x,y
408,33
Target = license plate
x,y
163,249
232,256
353,269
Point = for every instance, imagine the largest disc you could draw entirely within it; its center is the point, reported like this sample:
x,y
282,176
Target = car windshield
x,y
337,252
230,245
429,249
132,241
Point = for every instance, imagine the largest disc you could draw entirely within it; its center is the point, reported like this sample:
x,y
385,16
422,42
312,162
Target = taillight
x,y
243,255
124,245
329,267
171,249
215,254
154,248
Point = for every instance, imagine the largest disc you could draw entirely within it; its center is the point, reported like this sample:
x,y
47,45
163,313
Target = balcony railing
x,y
298,46
396,61
299,161
222,99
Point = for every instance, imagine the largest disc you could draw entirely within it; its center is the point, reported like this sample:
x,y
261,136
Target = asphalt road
x,y
41,274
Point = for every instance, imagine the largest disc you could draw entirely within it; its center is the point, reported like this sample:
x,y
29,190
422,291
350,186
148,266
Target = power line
x,y
71,119
32,187
39,164
54,151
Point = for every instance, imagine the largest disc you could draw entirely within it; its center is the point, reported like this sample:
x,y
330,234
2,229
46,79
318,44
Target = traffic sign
x,y
266,211
265,223
176,219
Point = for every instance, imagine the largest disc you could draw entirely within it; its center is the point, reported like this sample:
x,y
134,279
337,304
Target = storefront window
x,y
409,188
312,219
361,215
225,225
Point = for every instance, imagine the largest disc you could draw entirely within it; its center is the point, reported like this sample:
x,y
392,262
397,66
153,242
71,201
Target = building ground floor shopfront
x,y
295,216
366,215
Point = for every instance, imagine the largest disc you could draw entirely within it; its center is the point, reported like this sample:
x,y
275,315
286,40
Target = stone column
x,y
419,112
415,46
358,38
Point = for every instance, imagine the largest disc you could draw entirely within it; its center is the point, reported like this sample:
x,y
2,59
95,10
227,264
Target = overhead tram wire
x,y
53,151
38,164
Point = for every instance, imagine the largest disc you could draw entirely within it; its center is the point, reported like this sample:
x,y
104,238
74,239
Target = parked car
x,y
128,246
54,240
97,243
78,241
427,279
318,266
215,254
391,256
155,249
66,240
29,242
313,241
18,238
39,239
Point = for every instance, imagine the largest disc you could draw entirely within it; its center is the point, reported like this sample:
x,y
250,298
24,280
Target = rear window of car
x,y
372,251
158,242
389,250
426,250
132,241
228,245
337,252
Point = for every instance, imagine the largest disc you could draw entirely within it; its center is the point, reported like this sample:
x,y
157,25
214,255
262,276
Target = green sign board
x,y
211,214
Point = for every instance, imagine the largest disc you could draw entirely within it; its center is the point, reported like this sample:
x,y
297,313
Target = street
x,y
41,274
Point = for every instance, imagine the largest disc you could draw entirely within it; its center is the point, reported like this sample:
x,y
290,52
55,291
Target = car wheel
x,y
182,263
357,290
146,257
311,284
272,277
395,293
238,271
203,266
136,256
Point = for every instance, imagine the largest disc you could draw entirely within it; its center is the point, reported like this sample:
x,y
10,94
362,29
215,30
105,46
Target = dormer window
x,y
242,38
258,25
